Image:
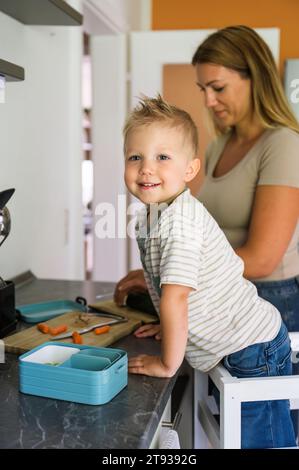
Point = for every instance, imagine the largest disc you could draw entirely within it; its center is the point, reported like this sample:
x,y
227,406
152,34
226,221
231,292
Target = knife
x,y
105,296
87,329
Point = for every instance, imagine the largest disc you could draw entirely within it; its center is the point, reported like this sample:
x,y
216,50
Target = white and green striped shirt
x,y
185,246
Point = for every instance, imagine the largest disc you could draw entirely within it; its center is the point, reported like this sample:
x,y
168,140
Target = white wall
x,y
40,153
140,15
117,16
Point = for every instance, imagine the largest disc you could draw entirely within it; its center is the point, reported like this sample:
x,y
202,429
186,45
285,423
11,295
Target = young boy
x,y
208,311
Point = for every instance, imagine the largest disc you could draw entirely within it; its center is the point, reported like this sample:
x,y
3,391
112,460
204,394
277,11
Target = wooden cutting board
x,y
28,339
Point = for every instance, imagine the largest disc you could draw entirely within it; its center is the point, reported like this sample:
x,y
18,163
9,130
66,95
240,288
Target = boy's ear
x,y
192,169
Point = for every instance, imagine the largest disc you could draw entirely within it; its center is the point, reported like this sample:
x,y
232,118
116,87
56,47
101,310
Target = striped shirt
x,y
183,245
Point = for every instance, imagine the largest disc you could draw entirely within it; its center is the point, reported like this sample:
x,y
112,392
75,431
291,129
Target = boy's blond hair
x,y
152,110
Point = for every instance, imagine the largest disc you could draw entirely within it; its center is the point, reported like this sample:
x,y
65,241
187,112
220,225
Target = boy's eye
x,y
134,158
163,157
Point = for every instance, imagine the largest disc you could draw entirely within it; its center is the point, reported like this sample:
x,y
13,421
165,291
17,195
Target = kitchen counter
x,y
129,421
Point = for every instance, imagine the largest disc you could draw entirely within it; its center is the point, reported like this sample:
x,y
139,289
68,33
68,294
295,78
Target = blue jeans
x,y
264,424
284,295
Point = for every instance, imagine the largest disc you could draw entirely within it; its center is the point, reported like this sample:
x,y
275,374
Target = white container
x,y
55,354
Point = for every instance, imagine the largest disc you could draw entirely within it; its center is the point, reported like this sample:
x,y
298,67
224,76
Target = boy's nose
x,y
146,168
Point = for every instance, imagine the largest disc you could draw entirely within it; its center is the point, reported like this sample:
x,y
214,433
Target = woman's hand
x,y
132,282
146,331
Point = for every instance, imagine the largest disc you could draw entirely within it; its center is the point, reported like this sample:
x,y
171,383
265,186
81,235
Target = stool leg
x,y
230,419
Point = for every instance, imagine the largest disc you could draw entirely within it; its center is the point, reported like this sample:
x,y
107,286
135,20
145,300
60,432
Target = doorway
x,y
87,163
180,89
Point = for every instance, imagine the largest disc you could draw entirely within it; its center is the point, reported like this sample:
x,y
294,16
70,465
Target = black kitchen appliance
x,y
8,319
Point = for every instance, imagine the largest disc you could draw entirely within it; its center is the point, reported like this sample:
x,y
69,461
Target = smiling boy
x,y
208,311
159,161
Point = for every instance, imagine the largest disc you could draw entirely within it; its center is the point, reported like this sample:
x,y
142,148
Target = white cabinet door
x,y
109,90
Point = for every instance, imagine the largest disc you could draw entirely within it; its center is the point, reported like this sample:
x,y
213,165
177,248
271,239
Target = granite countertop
x,y
129,421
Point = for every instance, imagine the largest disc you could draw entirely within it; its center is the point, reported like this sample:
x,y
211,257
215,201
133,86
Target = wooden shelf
x,y
11,72
42,12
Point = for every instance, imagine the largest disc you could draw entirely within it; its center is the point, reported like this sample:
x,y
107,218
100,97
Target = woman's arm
x,y
174,330
134,281
274,217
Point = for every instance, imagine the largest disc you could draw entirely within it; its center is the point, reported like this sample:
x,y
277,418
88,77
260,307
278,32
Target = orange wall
x,y
205,14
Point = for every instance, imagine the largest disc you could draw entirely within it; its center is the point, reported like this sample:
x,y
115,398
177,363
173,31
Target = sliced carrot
x,y
77,338
101,330
57,330
43,328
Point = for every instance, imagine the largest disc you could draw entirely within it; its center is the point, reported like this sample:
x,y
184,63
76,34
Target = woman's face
x,y
227,94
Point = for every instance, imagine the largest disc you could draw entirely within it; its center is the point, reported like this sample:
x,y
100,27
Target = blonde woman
x,y
252,168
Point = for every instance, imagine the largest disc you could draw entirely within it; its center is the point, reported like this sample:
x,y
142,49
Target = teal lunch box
x,y
43,311
73,372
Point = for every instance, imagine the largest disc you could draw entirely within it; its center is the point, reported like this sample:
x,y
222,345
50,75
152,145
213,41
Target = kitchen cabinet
x,y
179,410
36,12
42,12
11,72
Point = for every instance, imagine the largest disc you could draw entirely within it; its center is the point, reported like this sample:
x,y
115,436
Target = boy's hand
x,y
148,365
146,331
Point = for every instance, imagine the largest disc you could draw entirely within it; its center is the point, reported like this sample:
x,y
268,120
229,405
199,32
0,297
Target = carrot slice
x,y
57,330
43,328
77,338
101,330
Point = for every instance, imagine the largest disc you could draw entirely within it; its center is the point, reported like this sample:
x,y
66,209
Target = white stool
x,y
234,391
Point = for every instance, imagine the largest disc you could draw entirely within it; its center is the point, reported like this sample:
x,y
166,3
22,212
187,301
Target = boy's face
x,y
158,162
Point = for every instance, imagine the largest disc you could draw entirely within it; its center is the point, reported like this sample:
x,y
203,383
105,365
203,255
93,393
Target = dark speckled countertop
x,y
129,421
